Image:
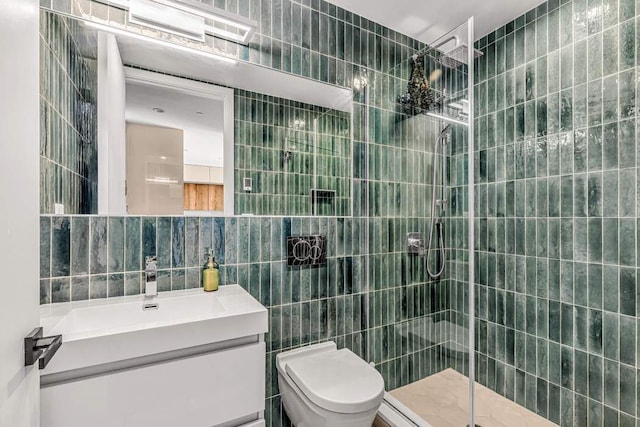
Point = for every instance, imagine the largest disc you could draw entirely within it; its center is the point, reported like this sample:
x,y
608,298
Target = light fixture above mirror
x,y
159,42
188,19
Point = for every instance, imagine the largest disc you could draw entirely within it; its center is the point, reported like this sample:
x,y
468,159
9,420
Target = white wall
x,y
204,146
19,210
111,128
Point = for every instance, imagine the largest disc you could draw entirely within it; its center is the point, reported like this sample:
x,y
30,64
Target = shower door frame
x,y
471,215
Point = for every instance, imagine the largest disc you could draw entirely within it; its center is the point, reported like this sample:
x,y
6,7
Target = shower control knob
x,y
415,243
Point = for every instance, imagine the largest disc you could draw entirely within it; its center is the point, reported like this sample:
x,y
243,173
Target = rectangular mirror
x,y
134,124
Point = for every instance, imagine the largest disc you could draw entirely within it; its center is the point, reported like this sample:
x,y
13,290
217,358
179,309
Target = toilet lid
x,y
338,381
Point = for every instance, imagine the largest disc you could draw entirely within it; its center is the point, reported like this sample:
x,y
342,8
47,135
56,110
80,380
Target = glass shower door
x,y
415,175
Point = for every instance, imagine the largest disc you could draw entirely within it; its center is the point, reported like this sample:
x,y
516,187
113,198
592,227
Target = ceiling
x,y
427,20
203,133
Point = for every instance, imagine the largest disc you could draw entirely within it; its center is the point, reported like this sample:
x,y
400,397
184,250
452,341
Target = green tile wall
x,y
557,301
68,121
320,157
402,332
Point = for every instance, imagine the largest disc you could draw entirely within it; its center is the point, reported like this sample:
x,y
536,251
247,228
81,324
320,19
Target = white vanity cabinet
x,y
200,363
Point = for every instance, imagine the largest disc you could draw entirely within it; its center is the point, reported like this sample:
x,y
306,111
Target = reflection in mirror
x,y
68,117
176,145
292,158
123,134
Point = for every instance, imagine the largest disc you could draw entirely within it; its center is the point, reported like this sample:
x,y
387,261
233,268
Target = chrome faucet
x,y
150,277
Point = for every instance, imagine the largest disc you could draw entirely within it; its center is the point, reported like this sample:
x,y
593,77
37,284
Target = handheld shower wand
x,y
438,207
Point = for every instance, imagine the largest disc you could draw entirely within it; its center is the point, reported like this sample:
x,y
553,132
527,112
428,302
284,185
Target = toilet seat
x,y
337,381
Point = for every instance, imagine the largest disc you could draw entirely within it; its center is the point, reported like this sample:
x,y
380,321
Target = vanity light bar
x,y
154,14
208,12
245,27
117,31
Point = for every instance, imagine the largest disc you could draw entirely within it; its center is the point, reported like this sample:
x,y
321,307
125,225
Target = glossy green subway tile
x,y
594,102
79,288
610,51
98,245
610,98
79,245
116,239
627,291
626,43
60,246
60,289
115,285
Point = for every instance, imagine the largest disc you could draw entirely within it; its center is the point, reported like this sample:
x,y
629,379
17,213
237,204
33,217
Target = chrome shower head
x,y
457,56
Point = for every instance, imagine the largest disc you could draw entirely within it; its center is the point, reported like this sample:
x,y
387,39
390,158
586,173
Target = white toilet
x,y
322,386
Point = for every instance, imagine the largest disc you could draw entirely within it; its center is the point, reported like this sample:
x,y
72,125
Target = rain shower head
x,y
457,56
452,58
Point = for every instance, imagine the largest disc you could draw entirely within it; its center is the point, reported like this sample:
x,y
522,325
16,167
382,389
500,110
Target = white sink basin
x,y
117,329
111,318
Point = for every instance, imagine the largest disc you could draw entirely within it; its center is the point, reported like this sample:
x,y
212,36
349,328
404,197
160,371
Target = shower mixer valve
x,y
415,244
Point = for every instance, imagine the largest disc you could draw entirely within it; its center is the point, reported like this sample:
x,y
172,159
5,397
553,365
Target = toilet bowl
x,y
322,386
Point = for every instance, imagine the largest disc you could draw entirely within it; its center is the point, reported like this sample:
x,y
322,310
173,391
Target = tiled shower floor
x,y
443,401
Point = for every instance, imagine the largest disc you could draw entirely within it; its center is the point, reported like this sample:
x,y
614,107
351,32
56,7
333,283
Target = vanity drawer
x,y
203,390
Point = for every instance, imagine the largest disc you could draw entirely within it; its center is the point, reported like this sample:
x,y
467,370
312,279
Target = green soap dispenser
x,y
210,274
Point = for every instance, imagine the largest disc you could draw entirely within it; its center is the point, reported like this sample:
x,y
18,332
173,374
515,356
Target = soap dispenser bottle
x,y
210,274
